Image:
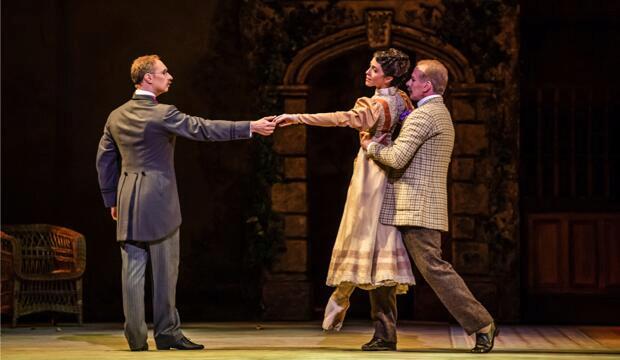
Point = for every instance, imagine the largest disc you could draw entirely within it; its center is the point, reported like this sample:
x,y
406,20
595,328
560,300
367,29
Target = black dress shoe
x,y
485,341
377,344
144,348
182,344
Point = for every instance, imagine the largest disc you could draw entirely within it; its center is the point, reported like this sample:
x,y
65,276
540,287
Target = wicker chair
x,y
7,275
48,262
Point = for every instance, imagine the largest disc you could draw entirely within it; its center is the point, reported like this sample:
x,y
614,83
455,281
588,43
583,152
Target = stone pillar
x,y
287,292
470,192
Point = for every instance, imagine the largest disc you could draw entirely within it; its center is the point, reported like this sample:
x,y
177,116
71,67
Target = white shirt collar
x,y
144,92
426,99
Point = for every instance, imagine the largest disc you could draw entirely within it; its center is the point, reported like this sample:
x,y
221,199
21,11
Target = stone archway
x,y
289,281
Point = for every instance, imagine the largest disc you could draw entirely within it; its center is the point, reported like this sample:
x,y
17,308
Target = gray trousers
x,y
424,246
164,256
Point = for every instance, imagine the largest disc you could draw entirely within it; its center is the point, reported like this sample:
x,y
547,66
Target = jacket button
x,y
125,173
143,174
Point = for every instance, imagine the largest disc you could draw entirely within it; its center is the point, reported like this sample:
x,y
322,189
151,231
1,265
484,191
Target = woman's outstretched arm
x,y
363,116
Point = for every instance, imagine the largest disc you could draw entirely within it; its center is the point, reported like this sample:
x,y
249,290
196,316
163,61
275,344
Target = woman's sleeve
x,y
363,116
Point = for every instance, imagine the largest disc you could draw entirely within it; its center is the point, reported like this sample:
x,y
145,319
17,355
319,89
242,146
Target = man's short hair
x,y
436,73
141,66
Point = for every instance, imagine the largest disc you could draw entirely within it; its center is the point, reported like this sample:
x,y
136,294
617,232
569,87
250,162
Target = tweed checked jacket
x,y
135,163
416,192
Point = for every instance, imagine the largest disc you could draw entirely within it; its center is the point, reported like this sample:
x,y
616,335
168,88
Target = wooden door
x,y
570,202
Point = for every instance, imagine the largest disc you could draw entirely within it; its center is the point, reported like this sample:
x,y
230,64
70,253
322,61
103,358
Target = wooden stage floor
x,y
305,340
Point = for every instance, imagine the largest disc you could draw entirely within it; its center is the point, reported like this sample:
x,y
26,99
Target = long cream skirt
x,y
368,254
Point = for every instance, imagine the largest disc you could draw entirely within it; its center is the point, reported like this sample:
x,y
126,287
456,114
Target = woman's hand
x,y
287,119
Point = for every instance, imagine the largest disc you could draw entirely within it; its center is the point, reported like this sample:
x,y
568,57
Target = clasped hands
x,y
268,124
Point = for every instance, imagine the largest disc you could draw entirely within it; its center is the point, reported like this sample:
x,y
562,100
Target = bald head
x,y
436,73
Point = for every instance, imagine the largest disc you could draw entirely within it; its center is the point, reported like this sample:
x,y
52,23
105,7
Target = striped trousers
x,y
164,256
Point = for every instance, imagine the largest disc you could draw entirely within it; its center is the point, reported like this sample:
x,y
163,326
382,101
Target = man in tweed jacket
x,y
416,201
135,162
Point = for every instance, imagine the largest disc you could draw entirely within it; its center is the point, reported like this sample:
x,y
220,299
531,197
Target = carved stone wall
x,y
477,43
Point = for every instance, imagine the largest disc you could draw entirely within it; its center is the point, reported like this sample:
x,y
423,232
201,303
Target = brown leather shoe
x,y
485,341
377,344
182,344
143,348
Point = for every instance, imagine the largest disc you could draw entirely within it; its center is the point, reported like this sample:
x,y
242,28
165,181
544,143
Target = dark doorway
x,y
335,85
570,164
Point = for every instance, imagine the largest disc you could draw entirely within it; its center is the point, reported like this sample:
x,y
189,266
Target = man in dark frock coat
x,y
135,163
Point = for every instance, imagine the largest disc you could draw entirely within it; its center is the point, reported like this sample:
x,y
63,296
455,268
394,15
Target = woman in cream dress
x,y
366,254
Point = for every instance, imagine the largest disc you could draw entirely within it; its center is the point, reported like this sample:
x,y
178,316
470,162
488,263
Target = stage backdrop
x,y
65,66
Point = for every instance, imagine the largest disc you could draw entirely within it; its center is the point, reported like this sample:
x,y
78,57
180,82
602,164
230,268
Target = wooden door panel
x,y
574,253
611,254
546,259
583,243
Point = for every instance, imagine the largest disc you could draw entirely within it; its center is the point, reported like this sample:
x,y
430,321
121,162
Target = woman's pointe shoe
x,y
334,315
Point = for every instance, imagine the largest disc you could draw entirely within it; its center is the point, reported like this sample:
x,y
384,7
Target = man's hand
x,y
113,213
264,126
286,120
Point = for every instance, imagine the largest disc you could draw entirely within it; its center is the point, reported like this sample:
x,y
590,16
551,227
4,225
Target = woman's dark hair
x,y
394,63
